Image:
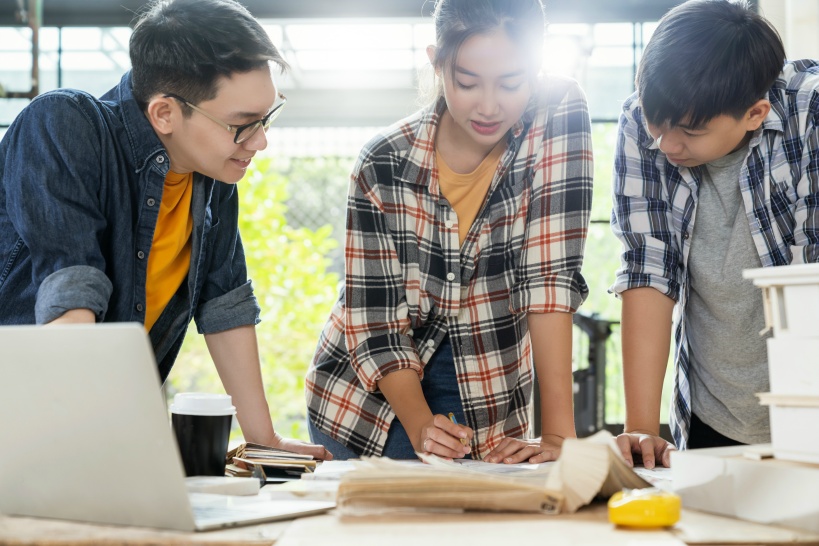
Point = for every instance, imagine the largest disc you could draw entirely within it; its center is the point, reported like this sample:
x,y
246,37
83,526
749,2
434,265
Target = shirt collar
x,y
143,142
776,118
423,128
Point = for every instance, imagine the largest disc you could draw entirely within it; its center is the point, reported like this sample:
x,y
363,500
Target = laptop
x,y
86,436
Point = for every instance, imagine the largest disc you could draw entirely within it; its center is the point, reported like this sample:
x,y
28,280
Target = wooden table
x,y
16,531
588,526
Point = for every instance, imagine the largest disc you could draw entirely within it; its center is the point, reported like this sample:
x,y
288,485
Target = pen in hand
x,y
464,441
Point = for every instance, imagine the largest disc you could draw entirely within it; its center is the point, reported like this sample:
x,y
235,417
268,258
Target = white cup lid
x,y
202,403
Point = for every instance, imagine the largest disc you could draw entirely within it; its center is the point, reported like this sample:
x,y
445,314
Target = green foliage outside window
x,y
601,261
288,267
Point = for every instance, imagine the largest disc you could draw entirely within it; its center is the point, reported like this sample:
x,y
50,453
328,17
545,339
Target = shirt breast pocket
x,y
782,197
782,181
11,260
496,258
212,229
210,244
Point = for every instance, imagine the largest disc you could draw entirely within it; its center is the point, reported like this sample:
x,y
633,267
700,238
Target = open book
x,y
586,468
591,467
274,465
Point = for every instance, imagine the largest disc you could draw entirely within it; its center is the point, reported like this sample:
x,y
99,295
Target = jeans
x,y
440,387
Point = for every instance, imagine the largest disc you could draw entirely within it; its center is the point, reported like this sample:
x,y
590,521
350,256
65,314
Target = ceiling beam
x,y
122,12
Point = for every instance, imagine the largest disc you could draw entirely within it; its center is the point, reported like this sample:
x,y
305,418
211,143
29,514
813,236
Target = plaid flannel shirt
x,y
655,205
409,282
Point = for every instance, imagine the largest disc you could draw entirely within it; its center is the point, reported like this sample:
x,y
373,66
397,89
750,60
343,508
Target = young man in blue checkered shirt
x,y
716,171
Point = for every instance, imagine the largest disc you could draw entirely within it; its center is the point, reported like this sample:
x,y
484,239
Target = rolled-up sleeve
x,y
376,313
642,213
74,287
236,308
548,278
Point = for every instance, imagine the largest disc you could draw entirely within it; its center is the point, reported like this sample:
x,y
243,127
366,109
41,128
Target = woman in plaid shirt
x,y
465,231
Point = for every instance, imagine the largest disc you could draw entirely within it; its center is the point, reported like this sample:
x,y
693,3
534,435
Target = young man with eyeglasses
x,y
125,208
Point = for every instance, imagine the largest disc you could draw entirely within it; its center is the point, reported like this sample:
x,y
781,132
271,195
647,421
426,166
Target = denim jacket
x,y
81,181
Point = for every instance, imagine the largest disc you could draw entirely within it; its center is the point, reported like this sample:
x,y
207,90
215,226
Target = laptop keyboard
x,y
225,513
220,510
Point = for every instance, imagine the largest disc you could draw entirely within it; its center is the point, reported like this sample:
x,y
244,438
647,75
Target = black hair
x,y
458,20
184,47
708,58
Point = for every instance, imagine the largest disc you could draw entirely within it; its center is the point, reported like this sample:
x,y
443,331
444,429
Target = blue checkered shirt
x,y
655,205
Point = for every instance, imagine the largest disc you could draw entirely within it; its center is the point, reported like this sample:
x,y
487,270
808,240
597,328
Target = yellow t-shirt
x,y
170,258
467,192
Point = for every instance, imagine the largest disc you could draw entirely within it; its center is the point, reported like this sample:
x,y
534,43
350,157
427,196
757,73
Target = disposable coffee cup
x,y
201,422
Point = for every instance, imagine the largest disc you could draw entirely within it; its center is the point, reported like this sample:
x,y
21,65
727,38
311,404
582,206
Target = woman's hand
x,y
297,446
512,450
442,437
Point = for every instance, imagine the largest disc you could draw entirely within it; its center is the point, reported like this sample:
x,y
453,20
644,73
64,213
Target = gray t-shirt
x,y
724,316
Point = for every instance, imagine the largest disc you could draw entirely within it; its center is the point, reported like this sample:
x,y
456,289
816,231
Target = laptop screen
x,y
89,439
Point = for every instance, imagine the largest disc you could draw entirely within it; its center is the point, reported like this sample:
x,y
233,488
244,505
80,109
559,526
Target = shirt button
x,y
430,343
450,276
449,224
685,235
160,159
140,255
139,307
150,202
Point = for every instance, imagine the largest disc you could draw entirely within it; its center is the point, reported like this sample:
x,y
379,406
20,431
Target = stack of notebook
x,y
269,464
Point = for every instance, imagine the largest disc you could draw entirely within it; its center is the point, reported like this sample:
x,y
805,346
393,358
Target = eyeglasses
x,y
242,133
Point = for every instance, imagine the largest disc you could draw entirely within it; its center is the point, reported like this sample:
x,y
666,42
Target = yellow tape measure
x,y
649,507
